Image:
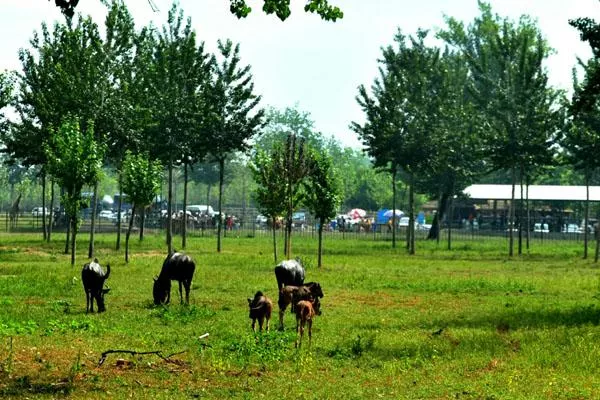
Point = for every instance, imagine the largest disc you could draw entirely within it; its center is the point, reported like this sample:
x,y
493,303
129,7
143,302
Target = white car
x,y
107,214
38,211
541,228
571,228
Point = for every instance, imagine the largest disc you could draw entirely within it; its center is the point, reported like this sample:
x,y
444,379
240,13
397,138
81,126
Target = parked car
x,y
39,211
571,228
541,228
261,220
199,209
107,214
299,219
403,221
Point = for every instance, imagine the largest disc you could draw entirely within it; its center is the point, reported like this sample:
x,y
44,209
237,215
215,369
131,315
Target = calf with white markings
x,y
179,267
93,278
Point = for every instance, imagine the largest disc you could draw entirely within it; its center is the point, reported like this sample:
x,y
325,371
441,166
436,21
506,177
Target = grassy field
x,y
465,324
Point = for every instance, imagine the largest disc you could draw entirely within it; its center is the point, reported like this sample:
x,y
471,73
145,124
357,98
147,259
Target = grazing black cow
x,y
289,273
179,267
93,278
260,309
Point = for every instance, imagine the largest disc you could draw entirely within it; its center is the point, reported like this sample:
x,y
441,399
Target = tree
x,y
233,119
174,80
281,8
511,87
6,87
581,141
322,193
62,75
398,116
74,160
281,123
141,183
455,126
267,169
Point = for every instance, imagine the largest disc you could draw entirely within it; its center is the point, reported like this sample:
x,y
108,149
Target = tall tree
x,y
234,119
267,169
511,85
177,70
323,189
6,87
75,160
141,182
398,128
61,76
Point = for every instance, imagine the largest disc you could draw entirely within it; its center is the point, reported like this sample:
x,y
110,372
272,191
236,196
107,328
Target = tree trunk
x,y
185,195
51,217
219,222
411,217
434,232
129,233
119,211
321,222
450,218
587,213
511,218
45,234
597,232
73,238
274,239
67,241
169,211
528,230
142,213
394,193
520,245
93,222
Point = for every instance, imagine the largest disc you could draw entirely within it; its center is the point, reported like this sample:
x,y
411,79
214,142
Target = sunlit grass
x,y
468,323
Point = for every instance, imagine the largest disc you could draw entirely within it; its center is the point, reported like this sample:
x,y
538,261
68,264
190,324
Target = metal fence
x,y
248,225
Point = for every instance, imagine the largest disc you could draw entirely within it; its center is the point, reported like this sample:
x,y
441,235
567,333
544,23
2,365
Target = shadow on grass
x,y
24,386
524,319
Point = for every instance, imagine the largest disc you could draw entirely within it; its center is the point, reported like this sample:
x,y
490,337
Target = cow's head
x,y
100,299
160,291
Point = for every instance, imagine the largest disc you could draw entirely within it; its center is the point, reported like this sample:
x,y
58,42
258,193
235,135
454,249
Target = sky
x,y
309,63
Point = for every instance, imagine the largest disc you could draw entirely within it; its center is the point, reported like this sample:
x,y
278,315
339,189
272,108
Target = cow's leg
x,y
92,297
268,319
253,324
180,292
261,321
87,301
281,313
187,285
297,330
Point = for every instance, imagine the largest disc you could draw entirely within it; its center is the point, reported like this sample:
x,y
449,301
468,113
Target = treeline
x,y
440,118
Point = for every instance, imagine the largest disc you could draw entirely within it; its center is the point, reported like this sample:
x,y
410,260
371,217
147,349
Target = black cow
x,y
179,267
93,278
289,273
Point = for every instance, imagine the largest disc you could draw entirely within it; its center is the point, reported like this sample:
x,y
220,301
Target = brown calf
x,y
260,309
292,294
305,312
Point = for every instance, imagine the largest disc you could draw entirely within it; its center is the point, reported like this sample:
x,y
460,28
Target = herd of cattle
x,y
303,298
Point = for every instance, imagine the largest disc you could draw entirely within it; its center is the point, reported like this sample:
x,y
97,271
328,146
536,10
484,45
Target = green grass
x,y
462,324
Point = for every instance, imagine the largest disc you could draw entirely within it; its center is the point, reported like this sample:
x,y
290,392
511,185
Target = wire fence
x,y
250,226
